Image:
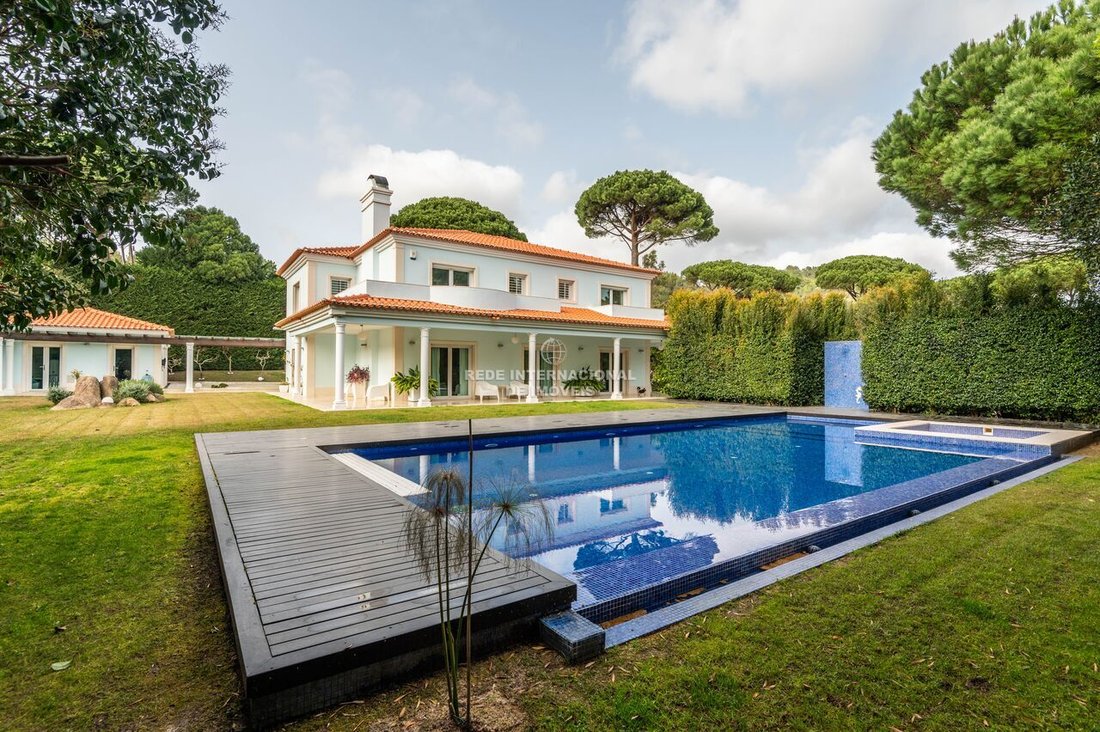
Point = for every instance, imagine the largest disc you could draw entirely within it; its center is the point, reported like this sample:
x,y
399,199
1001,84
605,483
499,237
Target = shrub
x,y
766,349
131,389
155,388
961,347
57,393
193,306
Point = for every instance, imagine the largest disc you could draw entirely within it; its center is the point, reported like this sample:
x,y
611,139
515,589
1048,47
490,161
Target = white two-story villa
x,y
485,316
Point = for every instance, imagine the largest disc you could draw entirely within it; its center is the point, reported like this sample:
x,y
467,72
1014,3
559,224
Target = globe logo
x,y
552,351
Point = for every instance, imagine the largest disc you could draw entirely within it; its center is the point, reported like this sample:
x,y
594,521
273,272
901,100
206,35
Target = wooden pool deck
x,y
326,601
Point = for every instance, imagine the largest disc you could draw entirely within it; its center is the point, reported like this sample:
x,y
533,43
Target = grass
x,y
989,615
104,532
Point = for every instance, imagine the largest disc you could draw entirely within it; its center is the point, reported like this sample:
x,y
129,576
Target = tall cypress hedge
x,y
768,349
194,307
928,350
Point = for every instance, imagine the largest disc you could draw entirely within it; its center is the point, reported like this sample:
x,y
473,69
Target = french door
x,y
451,368
607,363
45,367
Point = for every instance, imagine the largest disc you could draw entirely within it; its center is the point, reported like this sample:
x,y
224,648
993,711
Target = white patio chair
x,y
518,389
378,391
484,389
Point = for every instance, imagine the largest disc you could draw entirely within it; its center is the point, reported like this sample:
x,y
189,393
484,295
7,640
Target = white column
x,y
298,352
532,370
425,367
338,401
616,364
190,387
304,375
9,366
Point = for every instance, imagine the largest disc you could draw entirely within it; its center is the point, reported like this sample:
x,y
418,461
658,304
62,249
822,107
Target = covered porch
x,y
472,361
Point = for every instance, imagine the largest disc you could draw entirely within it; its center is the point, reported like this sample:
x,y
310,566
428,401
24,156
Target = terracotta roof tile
x,y
473,238
93,319
576,316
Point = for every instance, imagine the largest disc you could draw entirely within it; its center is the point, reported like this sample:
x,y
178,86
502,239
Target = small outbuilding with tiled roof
x,y
477,315
60,348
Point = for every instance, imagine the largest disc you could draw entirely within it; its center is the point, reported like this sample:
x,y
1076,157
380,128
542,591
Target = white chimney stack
x,y
376,206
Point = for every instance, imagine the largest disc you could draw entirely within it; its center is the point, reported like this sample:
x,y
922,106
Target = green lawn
x,y
989,615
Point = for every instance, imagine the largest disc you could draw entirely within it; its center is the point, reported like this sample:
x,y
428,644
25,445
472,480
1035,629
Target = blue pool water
x,y
645,502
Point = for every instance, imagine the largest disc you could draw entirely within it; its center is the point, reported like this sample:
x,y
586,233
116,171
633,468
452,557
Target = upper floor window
x,y
339,284
296,297
517,283
565,290
612,295
451,276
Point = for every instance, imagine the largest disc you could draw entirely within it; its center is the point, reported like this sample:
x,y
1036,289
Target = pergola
x,y
188,341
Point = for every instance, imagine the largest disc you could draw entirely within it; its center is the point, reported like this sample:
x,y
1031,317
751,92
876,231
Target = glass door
x,y
607,362
124,363
546,373
451,368
45,367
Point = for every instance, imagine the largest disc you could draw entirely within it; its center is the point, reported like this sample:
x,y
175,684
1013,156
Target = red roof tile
x,y
576,316
93,319
473,238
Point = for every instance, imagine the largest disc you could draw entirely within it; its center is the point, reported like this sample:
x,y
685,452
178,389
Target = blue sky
x,y
766,106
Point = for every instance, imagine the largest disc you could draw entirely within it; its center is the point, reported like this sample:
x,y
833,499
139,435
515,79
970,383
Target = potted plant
x,y
583,383
358,377
409,383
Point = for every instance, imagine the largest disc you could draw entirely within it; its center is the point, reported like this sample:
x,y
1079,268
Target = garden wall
x,y
768,349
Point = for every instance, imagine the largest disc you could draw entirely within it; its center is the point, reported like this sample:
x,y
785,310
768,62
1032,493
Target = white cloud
x,y
510,118
718,54
561,186
927,251
416,175
413,174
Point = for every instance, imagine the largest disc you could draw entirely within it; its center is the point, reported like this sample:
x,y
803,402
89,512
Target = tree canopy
x,y
645,208
860,272
986,147
744,279
105,111
447,212
212,246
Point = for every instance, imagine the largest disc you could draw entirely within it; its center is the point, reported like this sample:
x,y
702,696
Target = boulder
x,y
151,399
85,395
107,386
129,402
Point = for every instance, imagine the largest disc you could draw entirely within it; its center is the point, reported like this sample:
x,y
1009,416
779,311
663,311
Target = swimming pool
x,y
644,512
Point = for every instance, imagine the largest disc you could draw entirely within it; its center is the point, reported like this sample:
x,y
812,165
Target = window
x,y
565,290
612,296
451,276
339,284
517,283
296,297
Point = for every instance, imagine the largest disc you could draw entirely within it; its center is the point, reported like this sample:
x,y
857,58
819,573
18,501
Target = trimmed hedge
x,y
1013,362
768,349
195,307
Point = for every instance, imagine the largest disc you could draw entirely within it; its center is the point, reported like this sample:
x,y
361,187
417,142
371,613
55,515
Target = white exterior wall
x,y
491,271
90,358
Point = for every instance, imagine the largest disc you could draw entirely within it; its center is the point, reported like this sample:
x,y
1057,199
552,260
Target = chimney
x,y
376,206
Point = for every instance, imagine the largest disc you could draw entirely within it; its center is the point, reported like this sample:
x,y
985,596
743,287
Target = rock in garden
x,y
107,385
151,399
85,395
129,402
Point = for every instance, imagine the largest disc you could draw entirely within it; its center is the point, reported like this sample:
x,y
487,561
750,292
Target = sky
x,y
767,107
